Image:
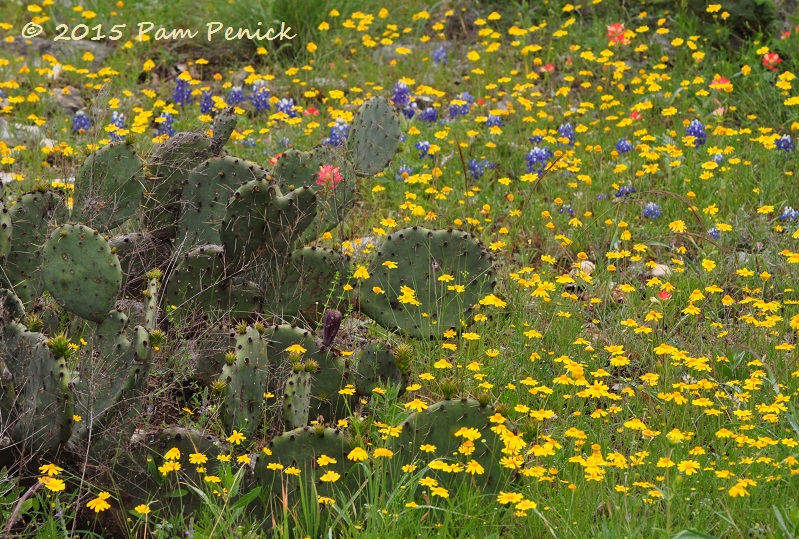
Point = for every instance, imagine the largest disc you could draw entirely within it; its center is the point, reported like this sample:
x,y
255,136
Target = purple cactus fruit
x,y
330,324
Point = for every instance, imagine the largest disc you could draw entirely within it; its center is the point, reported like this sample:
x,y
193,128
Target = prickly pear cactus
x,y
139,253
108,187
297,399
462,431
31,215
305,285
208,350
170,166
315,451
439,276
81,272
199,285
296,169
41,417
248,382
261,225
112,376
374,137
377,366
328,402
140,474
205,198
6,226
223,126
11,308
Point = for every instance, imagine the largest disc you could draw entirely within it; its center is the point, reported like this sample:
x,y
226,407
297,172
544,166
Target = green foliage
x,y
746,17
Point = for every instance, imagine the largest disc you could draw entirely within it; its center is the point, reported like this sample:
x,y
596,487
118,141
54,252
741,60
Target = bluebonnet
x,y
235,96
537,159
402,94
182,93
462,110
207,102
535,139
338,133
789,214
652,211
478,168
423,147
248,142
697,130
410,110
567,131
165,127
601,196
2,94
402,99
493,121
80,122
714,233
429,115
260,97
624,145
785,143
625,191
284,143
718,158
117,119
286,106
403,172
440,55
567,208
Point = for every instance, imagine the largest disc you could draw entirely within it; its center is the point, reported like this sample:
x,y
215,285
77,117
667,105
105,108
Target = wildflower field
x,y
474,269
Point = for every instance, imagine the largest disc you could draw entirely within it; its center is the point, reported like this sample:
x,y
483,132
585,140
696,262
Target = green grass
x,y
552,338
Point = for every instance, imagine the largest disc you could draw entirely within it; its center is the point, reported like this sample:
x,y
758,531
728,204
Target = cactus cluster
x,y
228,241
58,394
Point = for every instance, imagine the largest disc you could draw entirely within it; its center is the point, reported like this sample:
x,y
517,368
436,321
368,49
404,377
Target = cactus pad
x,y
248,382
31,215
296,169
136,468
374,137
224,124
199,284
297,400
261,226
439,276
6,226
108,187
376,366
303,287
302,448
171,164
205,197
81,272
461,431
42,415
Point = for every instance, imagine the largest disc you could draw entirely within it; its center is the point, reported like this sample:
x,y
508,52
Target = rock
x,y
660,270
63,51
325,82
20,134
69,99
